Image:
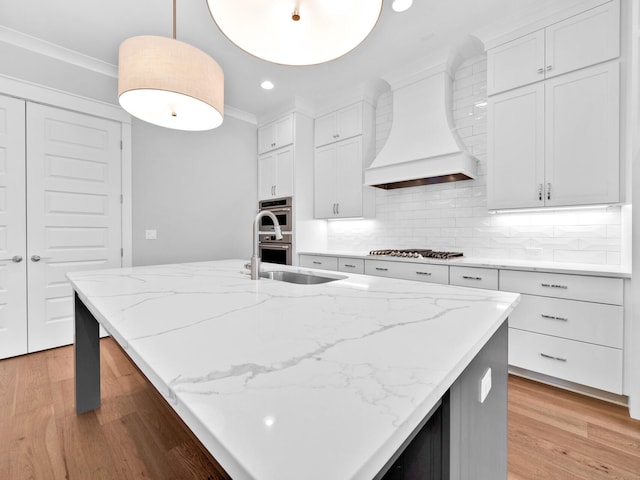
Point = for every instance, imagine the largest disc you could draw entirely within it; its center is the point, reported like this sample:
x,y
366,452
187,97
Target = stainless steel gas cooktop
x,y
416,253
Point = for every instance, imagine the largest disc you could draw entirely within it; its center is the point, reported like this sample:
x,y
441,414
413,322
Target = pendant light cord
x,y
174,19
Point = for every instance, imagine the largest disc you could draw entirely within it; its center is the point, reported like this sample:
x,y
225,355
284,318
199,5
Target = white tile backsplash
x,y
453,216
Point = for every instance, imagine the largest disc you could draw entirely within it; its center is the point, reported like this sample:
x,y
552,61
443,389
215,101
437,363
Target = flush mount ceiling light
x,y
170,83
296,32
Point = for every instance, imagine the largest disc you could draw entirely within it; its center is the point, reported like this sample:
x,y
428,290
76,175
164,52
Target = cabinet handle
x,y
337,208
428,274
540,187
551,285
14,259
551,317
549,67
560,359
334,208
349,265
316,263
548,191
467,277
541,70
37,258
380,269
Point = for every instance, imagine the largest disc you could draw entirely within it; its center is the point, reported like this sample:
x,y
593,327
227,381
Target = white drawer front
x,y
474,277
351,265
408,271
560,285
583,363
597,323
319,261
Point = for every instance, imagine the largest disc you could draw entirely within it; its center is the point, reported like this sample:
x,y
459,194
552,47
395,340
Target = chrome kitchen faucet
x,y
255,258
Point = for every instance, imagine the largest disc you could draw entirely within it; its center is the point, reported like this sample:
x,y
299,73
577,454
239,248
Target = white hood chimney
x,y
422,147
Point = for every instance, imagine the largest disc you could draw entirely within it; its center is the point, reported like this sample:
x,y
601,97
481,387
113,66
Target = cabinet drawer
x,y
474,277
319,261
351,265
597,323
421,272
583,363
560,285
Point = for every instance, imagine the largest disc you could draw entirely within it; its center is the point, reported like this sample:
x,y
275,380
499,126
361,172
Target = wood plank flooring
x,y
553,434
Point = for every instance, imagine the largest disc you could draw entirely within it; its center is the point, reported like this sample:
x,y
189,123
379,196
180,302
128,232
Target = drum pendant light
x,y
170,83
296,32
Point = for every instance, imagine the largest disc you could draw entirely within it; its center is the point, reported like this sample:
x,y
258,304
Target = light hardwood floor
x,y
553,434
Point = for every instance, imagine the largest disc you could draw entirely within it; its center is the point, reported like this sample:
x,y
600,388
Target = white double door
x,y
60,211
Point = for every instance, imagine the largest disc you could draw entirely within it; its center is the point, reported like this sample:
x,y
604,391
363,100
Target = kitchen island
x,y
285,381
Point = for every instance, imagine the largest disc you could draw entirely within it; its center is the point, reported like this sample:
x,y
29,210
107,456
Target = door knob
x,y
37,258
14,259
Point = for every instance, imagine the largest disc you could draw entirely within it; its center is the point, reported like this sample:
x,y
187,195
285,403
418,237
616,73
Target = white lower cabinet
x,y
422,272
474,277
351,265
319,261
567,326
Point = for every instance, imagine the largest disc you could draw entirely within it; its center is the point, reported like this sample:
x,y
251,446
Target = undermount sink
x,y
299,278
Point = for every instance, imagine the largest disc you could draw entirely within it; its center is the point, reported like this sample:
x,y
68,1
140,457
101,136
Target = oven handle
x,y
272,245
284,209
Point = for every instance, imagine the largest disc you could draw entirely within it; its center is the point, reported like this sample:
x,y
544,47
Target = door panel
x,y
349,178
325,181
13,279
73,171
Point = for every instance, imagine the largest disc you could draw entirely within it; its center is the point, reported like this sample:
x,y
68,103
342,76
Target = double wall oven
x,y
271,249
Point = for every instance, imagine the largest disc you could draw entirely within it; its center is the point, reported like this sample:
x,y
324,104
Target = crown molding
x,y
58,52
240,114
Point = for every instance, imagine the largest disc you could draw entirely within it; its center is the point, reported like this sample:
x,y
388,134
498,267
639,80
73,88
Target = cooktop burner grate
x,y
416,253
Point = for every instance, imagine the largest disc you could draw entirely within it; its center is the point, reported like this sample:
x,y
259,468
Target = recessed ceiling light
x,y
267,85
401,5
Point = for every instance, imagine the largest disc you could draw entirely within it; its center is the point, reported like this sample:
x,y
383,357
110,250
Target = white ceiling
x,y
97,27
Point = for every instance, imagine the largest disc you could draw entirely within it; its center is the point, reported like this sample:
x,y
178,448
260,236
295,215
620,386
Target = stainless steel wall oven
x,y
271,249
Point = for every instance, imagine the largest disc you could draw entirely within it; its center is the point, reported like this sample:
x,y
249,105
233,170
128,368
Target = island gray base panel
x,y
478,430
87,359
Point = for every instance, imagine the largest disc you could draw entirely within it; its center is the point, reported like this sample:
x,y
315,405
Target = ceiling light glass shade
x,y
296,32
401,5
170,83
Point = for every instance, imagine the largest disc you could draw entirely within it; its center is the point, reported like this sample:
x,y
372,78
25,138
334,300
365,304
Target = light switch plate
x,y
485,385
150,234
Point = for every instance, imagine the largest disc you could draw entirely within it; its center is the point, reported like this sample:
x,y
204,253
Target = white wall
x,y
197,189
453,216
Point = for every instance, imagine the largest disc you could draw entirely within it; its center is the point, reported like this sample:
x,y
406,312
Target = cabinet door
x,y
13,274
348,192
266,138
349,121
325,182
284,173
583,40
516,63
325,129
516,148
267,172
284,131
582,137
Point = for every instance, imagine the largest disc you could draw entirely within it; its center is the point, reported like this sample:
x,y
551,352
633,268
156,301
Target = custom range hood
x,y
422,147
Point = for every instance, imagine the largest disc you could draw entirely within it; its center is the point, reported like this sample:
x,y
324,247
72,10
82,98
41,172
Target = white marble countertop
x,y
283,381
524,265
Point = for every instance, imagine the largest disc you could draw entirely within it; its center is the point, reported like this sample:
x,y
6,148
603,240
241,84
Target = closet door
x,y
73,212
13,280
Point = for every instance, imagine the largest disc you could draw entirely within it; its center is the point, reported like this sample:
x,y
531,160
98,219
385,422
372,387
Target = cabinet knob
x,y
14,259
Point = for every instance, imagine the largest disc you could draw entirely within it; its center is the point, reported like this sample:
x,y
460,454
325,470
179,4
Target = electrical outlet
x,y
533,252
485,385
150,234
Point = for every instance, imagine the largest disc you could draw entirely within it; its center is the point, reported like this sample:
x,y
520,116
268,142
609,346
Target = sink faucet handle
x,y
247,265
278,232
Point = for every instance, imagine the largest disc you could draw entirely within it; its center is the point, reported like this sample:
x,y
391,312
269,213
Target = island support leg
x,y
87,359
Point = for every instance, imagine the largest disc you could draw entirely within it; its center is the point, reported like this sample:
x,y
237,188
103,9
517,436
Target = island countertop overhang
x,y
255,366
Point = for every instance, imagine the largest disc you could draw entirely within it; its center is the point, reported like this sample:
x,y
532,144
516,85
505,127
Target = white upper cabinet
x,y
339,125
276,134
556,143
275,173
577,42
338,180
